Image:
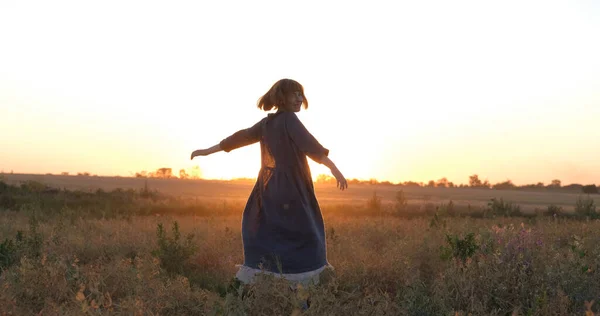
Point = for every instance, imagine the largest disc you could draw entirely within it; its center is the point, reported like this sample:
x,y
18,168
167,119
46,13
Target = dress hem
x,y
247,275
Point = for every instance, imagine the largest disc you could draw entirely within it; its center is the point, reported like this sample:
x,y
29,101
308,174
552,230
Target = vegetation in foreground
x,y
138,252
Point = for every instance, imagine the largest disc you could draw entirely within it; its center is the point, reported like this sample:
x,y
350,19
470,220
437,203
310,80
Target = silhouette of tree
x,y
413,184
573,187
325,179
183,174
506,185
590,189
195,173
442,183
163,173
353,181
141,174
474,181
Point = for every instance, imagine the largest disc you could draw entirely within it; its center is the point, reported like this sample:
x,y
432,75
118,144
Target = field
x,y
107,246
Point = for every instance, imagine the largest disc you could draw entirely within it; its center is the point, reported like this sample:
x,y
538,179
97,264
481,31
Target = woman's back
x,y
282,225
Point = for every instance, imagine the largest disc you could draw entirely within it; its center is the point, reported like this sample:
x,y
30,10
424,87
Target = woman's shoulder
x,y
286,116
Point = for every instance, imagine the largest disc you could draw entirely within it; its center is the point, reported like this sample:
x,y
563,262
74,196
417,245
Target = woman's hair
x,y
275,97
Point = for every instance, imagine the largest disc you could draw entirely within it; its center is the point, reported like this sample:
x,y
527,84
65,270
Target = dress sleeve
x,y
242,138
305,141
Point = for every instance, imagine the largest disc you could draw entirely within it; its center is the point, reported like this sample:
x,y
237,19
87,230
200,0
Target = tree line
x,y
474,182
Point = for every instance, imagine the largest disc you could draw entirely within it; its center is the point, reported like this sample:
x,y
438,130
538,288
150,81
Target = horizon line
x,y
329,178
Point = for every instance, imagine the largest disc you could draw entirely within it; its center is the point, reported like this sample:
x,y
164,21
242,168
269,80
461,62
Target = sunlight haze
x,y
398,90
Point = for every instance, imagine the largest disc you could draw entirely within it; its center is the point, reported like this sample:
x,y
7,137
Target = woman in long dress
x,y
282,226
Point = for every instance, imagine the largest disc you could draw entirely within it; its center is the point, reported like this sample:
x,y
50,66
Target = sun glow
x,y
397,91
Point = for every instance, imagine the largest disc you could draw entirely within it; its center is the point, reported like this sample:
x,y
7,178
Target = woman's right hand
x,y
339,177
206,152
199,152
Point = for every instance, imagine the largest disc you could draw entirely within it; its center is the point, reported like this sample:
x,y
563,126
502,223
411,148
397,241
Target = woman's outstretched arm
x,y
206,152
239,139
341,181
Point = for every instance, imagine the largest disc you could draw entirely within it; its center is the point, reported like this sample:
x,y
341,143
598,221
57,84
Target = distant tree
x,y
373,181
450,184
442,183
506,185
353,181
411,184
590,189
183,174
62,173
474,181
325,179
555,184
195,173
431,184
573,187
164,173
141,174
386,183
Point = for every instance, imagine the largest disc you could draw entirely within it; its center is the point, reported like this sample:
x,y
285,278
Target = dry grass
x,y
238,191
384,265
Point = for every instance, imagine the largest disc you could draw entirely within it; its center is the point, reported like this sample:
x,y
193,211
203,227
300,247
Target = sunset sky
x,y
398,90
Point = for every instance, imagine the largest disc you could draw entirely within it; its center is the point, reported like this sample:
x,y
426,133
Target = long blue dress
x,y
282,224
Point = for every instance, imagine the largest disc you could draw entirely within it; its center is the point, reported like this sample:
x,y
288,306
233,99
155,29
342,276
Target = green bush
x,y
8,254
11,251
447,209
498,207
374,203
401,202
585,207
553,209
458,248
172,251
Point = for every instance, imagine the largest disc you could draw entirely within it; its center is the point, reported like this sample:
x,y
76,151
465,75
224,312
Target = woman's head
x,y
284,95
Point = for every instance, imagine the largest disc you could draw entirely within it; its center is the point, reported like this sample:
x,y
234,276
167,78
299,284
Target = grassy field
x,y
213,190
170,249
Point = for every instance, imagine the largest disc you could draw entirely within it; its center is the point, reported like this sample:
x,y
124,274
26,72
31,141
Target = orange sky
x,y
410,91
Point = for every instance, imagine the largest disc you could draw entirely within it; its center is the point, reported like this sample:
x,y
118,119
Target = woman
x,y
282,226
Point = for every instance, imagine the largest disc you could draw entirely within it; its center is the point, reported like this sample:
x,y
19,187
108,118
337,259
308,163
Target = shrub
x,y
501,208
374,203
590,189
447,209
172,251
585,207
401,202
553,209
11,251
458,248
